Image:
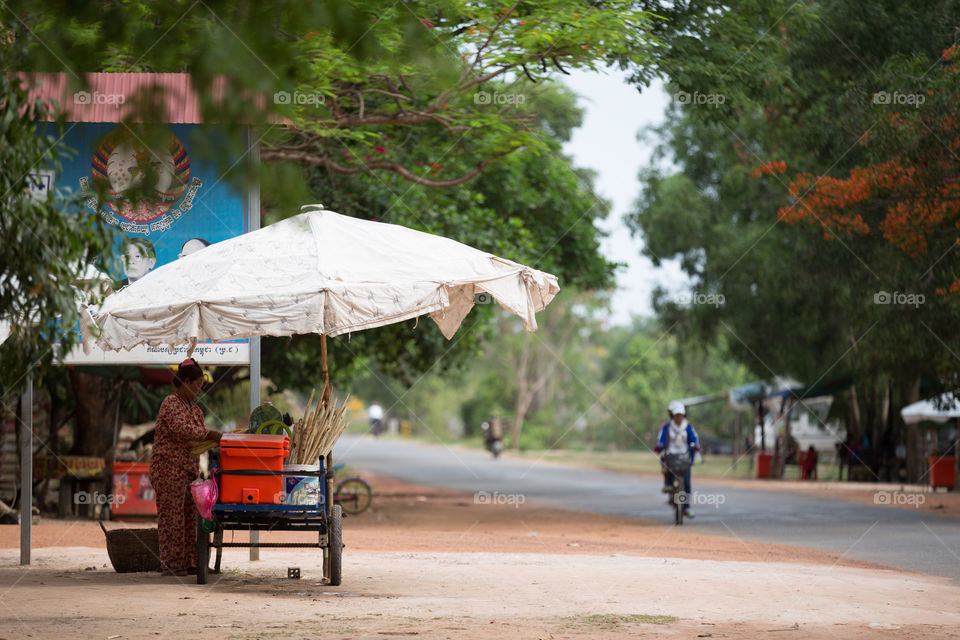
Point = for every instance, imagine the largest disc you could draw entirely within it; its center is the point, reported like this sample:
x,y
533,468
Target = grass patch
x,y
639,462
613,620
712,466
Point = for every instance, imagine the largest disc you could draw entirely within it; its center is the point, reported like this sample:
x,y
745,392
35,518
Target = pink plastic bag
x,y
205,495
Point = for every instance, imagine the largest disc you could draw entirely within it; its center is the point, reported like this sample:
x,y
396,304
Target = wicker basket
x,y
133,550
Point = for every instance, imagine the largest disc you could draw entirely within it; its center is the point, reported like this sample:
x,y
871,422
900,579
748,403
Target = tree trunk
x,y
761,418
891,433
915,461
96,406
853,431
516,427
525,396
532,376
915,458
854,424
788,440
523,393
881,402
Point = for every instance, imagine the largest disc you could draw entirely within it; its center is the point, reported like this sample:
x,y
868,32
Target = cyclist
x,y
678,436
375,414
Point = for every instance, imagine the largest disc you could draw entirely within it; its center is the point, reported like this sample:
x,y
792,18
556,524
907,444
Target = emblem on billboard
x,y
120,165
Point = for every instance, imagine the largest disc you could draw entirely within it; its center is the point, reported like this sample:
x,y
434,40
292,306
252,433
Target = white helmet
x,y
676,407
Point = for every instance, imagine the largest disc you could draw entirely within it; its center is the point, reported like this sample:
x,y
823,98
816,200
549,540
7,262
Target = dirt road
x,y
433,564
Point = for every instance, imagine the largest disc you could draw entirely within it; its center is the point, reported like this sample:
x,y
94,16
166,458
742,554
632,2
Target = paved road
x,y
898,537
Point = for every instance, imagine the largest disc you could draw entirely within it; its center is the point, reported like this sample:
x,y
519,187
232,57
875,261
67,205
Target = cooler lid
x,y
254,441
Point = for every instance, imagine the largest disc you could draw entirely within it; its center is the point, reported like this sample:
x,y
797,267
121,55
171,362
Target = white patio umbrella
x,y
318,272
926,410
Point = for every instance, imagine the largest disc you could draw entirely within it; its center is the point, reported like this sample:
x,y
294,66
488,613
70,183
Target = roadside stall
x,y
317,272
943,468
273,478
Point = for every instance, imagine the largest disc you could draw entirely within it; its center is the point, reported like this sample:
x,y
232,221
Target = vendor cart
x,y
325,519
314,273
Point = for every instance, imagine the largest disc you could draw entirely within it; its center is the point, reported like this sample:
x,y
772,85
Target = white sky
x,y
607,143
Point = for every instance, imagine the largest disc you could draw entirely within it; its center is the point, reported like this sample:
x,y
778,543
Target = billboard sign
x,y
188,206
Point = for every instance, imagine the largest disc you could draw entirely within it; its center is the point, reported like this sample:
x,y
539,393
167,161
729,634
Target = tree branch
x,y
392,94
277,154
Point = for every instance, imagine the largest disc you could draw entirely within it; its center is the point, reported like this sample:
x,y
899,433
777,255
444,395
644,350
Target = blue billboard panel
x,y
189,205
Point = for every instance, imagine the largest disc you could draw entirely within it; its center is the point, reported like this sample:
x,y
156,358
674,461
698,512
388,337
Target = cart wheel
x,y
203,554
334,554
354,495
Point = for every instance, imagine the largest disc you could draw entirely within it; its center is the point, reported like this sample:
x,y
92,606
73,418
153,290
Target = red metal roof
x,y
110,96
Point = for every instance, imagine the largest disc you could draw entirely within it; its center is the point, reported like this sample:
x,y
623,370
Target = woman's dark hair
x,y
187,372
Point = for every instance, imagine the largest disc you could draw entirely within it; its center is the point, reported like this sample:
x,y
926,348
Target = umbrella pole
x,y
327,391
325,400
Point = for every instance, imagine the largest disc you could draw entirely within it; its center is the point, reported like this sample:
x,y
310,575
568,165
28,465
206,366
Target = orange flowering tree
x,y
909,190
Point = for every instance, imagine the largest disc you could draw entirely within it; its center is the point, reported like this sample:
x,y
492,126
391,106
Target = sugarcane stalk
x,y
322,425
309,402
311,435
335,427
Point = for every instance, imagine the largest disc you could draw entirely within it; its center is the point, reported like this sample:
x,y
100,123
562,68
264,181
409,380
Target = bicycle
x,y
353,494
676,464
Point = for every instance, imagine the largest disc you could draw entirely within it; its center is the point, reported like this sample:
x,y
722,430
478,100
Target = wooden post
x,y
761,419
325,399
328,392
253,223
254,403
736,438
26,471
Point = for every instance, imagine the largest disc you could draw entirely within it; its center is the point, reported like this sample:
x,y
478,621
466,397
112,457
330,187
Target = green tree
x,y
403,84
800,300
543,385
537,210
640,377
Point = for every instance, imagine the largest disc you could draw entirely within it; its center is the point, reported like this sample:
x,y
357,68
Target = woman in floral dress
x,y
172,469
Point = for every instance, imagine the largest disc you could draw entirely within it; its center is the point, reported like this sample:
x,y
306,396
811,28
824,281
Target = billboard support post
x,y
253,223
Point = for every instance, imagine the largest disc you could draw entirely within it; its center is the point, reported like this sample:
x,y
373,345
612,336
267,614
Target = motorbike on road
x,y
493,436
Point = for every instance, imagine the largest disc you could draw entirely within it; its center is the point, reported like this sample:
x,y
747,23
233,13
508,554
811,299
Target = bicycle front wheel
x,y
354,495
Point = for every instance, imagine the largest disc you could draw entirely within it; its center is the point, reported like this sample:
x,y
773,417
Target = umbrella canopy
x,y
926,410
318,272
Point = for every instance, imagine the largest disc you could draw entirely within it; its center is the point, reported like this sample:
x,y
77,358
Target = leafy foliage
x,y
908,188
537,210
863,125
489,63
414,85
46,243
364,85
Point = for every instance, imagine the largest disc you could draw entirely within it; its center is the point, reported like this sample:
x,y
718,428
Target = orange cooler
x,y
133,494
942,471
253,453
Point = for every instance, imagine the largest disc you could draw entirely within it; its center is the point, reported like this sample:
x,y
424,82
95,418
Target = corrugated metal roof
x,y
110,97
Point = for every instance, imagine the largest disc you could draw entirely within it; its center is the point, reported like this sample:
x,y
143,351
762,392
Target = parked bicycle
x,y
353,494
